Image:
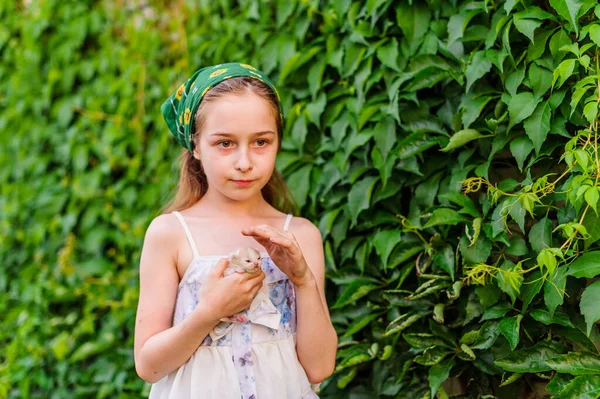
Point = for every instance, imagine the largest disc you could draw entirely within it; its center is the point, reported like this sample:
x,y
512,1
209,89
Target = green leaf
x,y
384,242
299,131
576,363
530,288
444,258
521,106
540,80
413,19
510,279
442,216
284,10
359,324
356,290
592,224
497,311
581,88
595,34
458,23
568,9
472,108
509,327
508,5
544,317
462,200
488,295
540,235
513,81
384,134
526,26
487,335
563,71
477,253
388,54
520,148
590,111
582,387
432,356
586,265
402,322
547,259
478,67
537,125
352,360
299,183
591,197
359,197
554,289
466,353
439,373
461,138
423,340
558,383
589,305
518,246
531,360
577,336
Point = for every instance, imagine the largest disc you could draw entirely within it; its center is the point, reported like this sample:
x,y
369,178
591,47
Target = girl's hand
x,y
283,250
226,296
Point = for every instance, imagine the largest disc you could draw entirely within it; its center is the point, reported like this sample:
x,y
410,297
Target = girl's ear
x,y
196,153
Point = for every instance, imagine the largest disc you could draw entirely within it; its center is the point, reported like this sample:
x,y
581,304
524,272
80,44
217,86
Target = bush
x,y
446,150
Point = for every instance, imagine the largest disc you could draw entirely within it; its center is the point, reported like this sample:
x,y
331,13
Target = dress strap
x,y
187,233
287,221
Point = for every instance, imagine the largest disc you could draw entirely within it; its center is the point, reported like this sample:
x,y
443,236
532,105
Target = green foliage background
x,y
447,151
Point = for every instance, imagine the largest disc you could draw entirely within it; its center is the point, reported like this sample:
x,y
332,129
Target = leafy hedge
x,y
447,150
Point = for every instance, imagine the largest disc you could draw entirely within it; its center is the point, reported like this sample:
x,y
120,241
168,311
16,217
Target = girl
x,y
229,119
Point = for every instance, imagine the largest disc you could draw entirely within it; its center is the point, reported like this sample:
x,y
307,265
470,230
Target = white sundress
x,y
252,361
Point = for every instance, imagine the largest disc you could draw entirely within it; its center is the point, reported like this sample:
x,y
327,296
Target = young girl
x,y
229,119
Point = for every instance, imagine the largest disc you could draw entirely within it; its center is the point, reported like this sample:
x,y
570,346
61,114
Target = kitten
x,y
248,260
243,260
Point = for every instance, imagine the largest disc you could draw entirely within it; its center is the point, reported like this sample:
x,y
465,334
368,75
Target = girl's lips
x,y
243,182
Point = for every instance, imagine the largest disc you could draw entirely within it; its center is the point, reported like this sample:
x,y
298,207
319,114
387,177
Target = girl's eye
x,y
228,142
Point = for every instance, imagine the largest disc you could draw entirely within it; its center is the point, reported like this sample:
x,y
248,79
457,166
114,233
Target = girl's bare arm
x,y
316,340
159,347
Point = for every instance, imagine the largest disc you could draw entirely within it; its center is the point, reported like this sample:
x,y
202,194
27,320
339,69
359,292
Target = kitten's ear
x,y
254,251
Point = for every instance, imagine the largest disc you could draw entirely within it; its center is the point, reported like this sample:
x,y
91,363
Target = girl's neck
x,y
214,204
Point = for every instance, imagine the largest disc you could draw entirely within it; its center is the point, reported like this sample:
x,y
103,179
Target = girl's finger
x,y
284,242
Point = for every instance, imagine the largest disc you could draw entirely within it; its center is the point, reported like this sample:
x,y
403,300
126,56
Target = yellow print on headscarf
x,y
218,72
187,115
204,92
248,66
180,92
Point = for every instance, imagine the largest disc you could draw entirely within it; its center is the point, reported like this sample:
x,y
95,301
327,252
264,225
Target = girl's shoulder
x,y
304,230
163,228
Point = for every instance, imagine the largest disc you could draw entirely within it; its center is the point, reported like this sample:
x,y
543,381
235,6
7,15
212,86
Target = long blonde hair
x,y
192,181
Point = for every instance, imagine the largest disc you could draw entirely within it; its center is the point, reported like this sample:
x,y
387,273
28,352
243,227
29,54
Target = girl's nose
x,y
244,163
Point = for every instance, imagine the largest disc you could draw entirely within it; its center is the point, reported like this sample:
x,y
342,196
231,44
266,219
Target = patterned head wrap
x,y
179,109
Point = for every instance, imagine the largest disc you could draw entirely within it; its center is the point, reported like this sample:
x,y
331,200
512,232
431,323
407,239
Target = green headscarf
x,y
179,109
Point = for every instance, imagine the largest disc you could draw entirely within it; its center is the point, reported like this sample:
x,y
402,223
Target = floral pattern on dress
x,y
282,295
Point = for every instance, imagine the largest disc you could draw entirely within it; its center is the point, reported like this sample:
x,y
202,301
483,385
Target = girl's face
x,y
238,141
